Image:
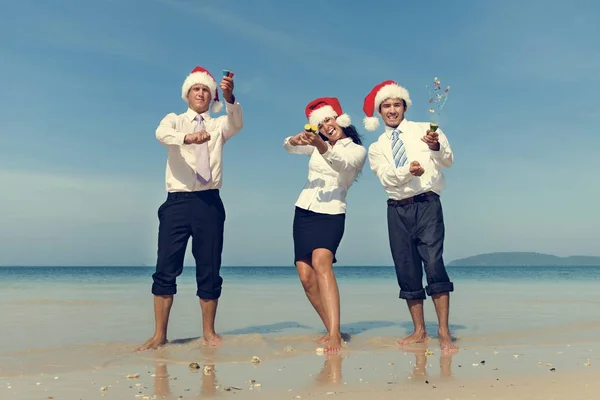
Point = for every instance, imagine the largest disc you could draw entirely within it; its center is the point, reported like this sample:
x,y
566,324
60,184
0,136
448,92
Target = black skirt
x,y
316,231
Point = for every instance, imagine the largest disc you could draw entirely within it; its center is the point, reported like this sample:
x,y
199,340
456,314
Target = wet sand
x,y
290,367
71,336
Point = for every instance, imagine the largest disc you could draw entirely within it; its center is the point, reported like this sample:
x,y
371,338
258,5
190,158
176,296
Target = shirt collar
x,y
191,115
345,141
342,142
402,128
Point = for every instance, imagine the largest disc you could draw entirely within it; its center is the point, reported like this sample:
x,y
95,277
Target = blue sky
x,y
86,82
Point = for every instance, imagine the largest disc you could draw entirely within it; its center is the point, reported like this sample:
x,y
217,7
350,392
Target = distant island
x,y
524,259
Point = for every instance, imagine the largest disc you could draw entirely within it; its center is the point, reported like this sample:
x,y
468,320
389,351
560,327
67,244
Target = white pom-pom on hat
x,y
326,107
371,123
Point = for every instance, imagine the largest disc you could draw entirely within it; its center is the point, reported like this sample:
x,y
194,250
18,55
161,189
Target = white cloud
x,y
303,51
515,39
74,219
246,86
106,31
63,219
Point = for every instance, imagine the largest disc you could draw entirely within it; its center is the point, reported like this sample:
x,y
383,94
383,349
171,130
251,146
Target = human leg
x,y
430,236
408,265
442,308
209,314
208,222
173,235
162,310
308,278
419,334
313,233
322,261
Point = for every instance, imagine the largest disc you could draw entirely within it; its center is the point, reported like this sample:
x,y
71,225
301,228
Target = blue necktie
x,y
398,150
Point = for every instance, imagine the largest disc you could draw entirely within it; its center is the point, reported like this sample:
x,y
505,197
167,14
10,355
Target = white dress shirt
x,y
180,173
330,175
399,183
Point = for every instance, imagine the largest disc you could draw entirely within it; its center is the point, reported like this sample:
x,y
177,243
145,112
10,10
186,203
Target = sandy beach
x,y
288,367
70,334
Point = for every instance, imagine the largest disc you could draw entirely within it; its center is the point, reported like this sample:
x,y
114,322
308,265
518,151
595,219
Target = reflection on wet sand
x,y
208,387
161,381
207,371
419,372
331,373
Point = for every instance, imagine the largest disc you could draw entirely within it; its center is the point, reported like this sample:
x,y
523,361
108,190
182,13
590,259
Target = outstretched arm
x,y
235,118
234,122
443,156
388,175
293,146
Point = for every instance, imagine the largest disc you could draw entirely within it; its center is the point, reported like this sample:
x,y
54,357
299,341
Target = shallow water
x,y
73,322
48,307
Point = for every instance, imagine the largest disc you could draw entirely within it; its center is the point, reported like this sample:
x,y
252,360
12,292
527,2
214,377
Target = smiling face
x,y
199,98
331,130
392,111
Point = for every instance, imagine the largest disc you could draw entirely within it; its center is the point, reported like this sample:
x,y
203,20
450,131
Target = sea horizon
x,y
289,266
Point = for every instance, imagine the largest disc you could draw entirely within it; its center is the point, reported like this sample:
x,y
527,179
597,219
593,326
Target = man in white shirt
x,y
408,159
194,141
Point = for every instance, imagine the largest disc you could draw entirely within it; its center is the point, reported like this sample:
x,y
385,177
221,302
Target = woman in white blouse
x,y
336,158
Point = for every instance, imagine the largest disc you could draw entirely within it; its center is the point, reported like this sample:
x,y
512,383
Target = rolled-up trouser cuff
x,y
204,295
159,290
418,295
439,287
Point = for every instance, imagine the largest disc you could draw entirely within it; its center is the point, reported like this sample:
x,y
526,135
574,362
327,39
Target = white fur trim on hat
x,y
319,115
371,123
344,120
392,92
216,106
198,78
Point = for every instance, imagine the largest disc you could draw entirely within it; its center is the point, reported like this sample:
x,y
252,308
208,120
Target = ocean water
x,y
67,332
50,307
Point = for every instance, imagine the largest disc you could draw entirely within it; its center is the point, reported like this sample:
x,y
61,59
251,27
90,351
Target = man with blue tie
x,y
193,208
408,158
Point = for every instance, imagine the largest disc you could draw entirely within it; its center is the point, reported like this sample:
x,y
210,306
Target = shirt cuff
x,y
403,173
231,106
286,141
182,138
441,153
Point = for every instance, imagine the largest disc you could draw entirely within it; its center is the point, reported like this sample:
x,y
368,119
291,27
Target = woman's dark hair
x,y
350,132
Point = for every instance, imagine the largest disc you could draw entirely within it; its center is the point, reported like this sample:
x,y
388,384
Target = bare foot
x,y
152,343
415,337
211,339
334,344
323,339
447,344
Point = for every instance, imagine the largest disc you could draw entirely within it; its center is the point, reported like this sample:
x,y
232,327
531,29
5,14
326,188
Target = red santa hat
x,y
326,107
200,75
384,90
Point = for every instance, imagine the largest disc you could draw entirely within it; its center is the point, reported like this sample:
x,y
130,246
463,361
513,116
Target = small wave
x,y
66,302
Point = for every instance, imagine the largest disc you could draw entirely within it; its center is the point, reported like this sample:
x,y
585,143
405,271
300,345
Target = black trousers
x,y
200,215
416,234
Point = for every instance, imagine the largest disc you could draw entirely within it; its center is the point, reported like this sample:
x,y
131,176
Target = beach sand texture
x,y
74,339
